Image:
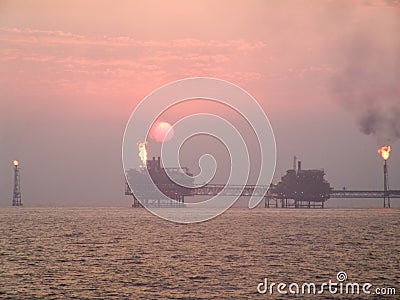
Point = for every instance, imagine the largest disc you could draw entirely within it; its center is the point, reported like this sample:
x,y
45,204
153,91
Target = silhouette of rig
x,y
298,188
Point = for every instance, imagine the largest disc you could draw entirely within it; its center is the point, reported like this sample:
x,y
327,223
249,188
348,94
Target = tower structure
x,y
17,187
386,198
385,153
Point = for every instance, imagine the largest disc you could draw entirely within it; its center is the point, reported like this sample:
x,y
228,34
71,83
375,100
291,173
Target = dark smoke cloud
x,y
369,83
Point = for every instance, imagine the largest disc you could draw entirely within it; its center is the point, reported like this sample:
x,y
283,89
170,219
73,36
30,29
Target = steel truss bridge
x,y
273,199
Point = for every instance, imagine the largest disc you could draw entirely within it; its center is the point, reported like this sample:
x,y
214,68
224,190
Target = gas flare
x,y
384,152
143,153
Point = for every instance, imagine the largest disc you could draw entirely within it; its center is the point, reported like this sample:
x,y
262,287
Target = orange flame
x,y
384,152
143,153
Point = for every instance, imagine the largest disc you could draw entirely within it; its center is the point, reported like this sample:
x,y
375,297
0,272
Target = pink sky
x,y
71,73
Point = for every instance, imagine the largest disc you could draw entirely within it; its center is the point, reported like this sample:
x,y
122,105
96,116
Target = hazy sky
x,y
71,72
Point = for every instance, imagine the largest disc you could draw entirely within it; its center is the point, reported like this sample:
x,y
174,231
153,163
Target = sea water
x,y
127,253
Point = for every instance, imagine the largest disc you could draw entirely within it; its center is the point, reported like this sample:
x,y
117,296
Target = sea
x,y
128,253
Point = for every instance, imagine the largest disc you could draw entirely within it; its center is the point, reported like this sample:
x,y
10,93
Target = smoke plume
x,y
369,83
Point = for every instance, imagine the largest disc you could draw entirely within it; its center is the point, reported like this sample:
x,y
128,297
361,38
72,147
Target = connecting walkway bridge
x,y
273,199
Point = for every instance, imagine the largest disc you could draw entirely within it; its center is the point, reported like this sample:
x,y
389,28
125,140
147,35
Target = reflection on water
x,y
115,253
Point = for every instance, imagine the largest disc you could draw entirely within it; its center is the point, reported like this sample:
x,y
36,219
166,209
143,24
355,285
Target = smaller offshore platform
x,y
300,188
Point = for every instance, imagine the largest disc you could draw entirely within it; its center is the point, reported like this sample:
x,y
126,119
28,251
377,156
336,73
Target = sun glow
x,y
161,131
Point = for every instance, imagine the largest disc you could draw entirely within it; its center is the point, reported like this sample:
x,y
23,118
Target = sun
x,y
161,130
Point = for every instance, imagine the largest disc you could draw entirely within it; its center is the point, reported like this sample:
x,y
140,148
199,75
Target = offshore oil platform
x,y
298,188
162,177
